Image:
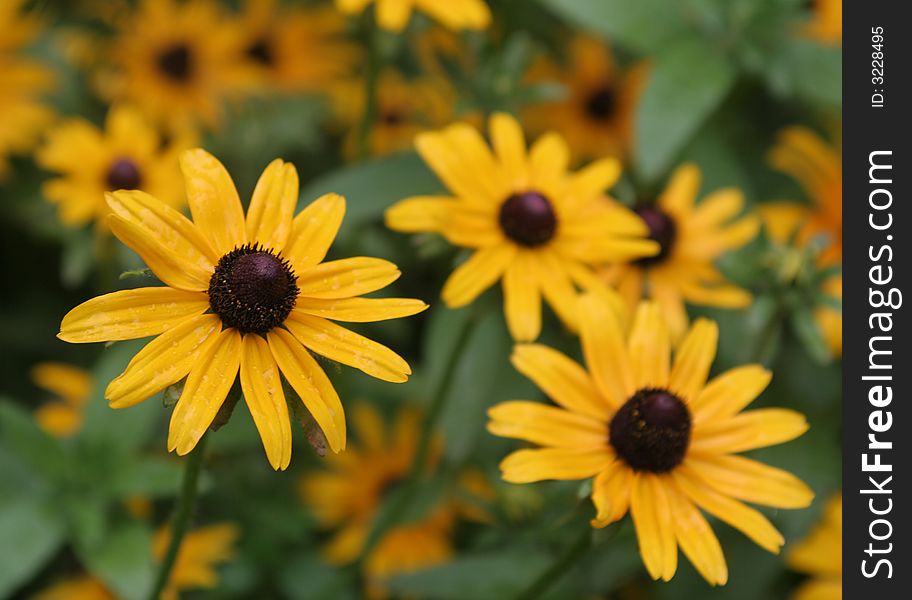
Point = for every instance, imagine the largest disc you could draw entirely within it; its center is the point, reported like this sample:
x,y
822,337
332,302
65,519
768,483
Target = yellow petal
x,y
451,163
369,427
726,394
213,200
347,277
311,384
510,145
561,378
605,350
477,274
130,314
522,298
204,393
751,481
717,208
595,178
58,419
743,518
611,493
487,177
681,191
694,359
650,348
70,383
360,310
548,161
546,425
559,292
393,14
420,214
313,231
526,466
347,347
697,540
748,431
272,205
164,361
651,512
263,394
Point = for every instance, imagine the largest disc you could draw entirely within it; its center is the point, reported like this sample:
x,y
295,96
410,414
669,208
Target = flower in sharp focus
x,y
530,223
692,236
70,387
825,24
174,60
129,154
22,82
347,497
658,438
301,49
820,556
596,116
394,14
249,297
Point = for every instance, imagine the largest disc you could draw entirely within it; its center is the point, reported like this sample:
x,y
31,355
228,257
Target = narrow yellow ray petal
x,y
272,205
693,359
346,277
752,481
649,347
611,493
546,425
522,298
313,231
263,394
748,431
360,310
562,379
526,466
605,350
213,200
697,539
477,274
728,393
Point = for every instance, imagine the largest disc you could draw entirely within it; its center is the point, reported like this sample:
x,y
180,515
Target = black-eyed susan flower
x,y
659,439
394,14
202,551
596,116
692,236
129,154
347,498
820,556
825,24
70,386
22,83
529,222
175,60
301,49
249,296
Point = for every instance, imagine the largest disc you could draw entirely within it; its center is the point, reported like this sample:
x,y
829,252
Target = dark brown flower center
x,y
123,174
528,219
261,51
392,117
252,289
651,431
176,62
601,103
662,229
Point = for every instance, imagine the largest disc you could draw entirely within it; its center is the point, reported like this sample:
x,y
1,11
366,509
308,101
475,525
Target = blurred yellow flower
x,y
175,60
347,497
394,14
529,221
825,24
249,296
201,552
820,556
300,49
405,108
22,83
658,438
70,387
129,154
692,237
597,115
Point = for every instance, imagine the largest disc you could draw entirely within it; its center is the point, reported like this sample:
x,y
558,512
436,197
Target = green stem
x,y
765,340
182,513
374,65
560,567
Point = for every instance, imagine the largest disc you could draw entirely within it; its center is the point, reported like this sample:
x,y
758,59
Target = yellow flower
x,y
348,496
129,154
71,386
250,296
527,219
195,567
22,82
175,61
692,237
597,115
404,109
394,14
201,551
826,21
817,166
820,555
296,49
659,440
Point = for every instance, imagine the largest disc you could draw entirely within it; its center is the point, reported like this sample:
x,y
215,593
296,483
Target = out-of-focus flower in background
x,y
395,14
825,23
692,236
530,222
820,556
70,386
23,82
129,154
659,439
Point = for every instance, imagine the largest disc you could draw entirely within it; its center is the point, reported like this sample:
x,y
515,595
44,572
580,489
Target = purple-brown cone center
x,y
124,174
662,229
651,431
176,62
528,219
601,103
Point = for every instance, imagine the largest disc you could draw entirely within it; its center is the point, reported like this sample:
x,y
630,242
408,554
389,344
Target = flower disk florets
x,y
651,431
528,219
662,229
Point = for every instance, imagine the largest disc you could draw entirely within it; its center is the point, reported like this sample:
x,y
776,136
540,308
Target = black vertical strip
x,y
877,561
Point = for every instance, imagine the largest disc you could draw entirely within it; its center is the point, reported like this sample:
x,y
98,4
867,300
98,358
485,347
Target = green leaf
x,y
154,477
686,84
23,437
30,534
808,71
805,327
123,559
642,26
